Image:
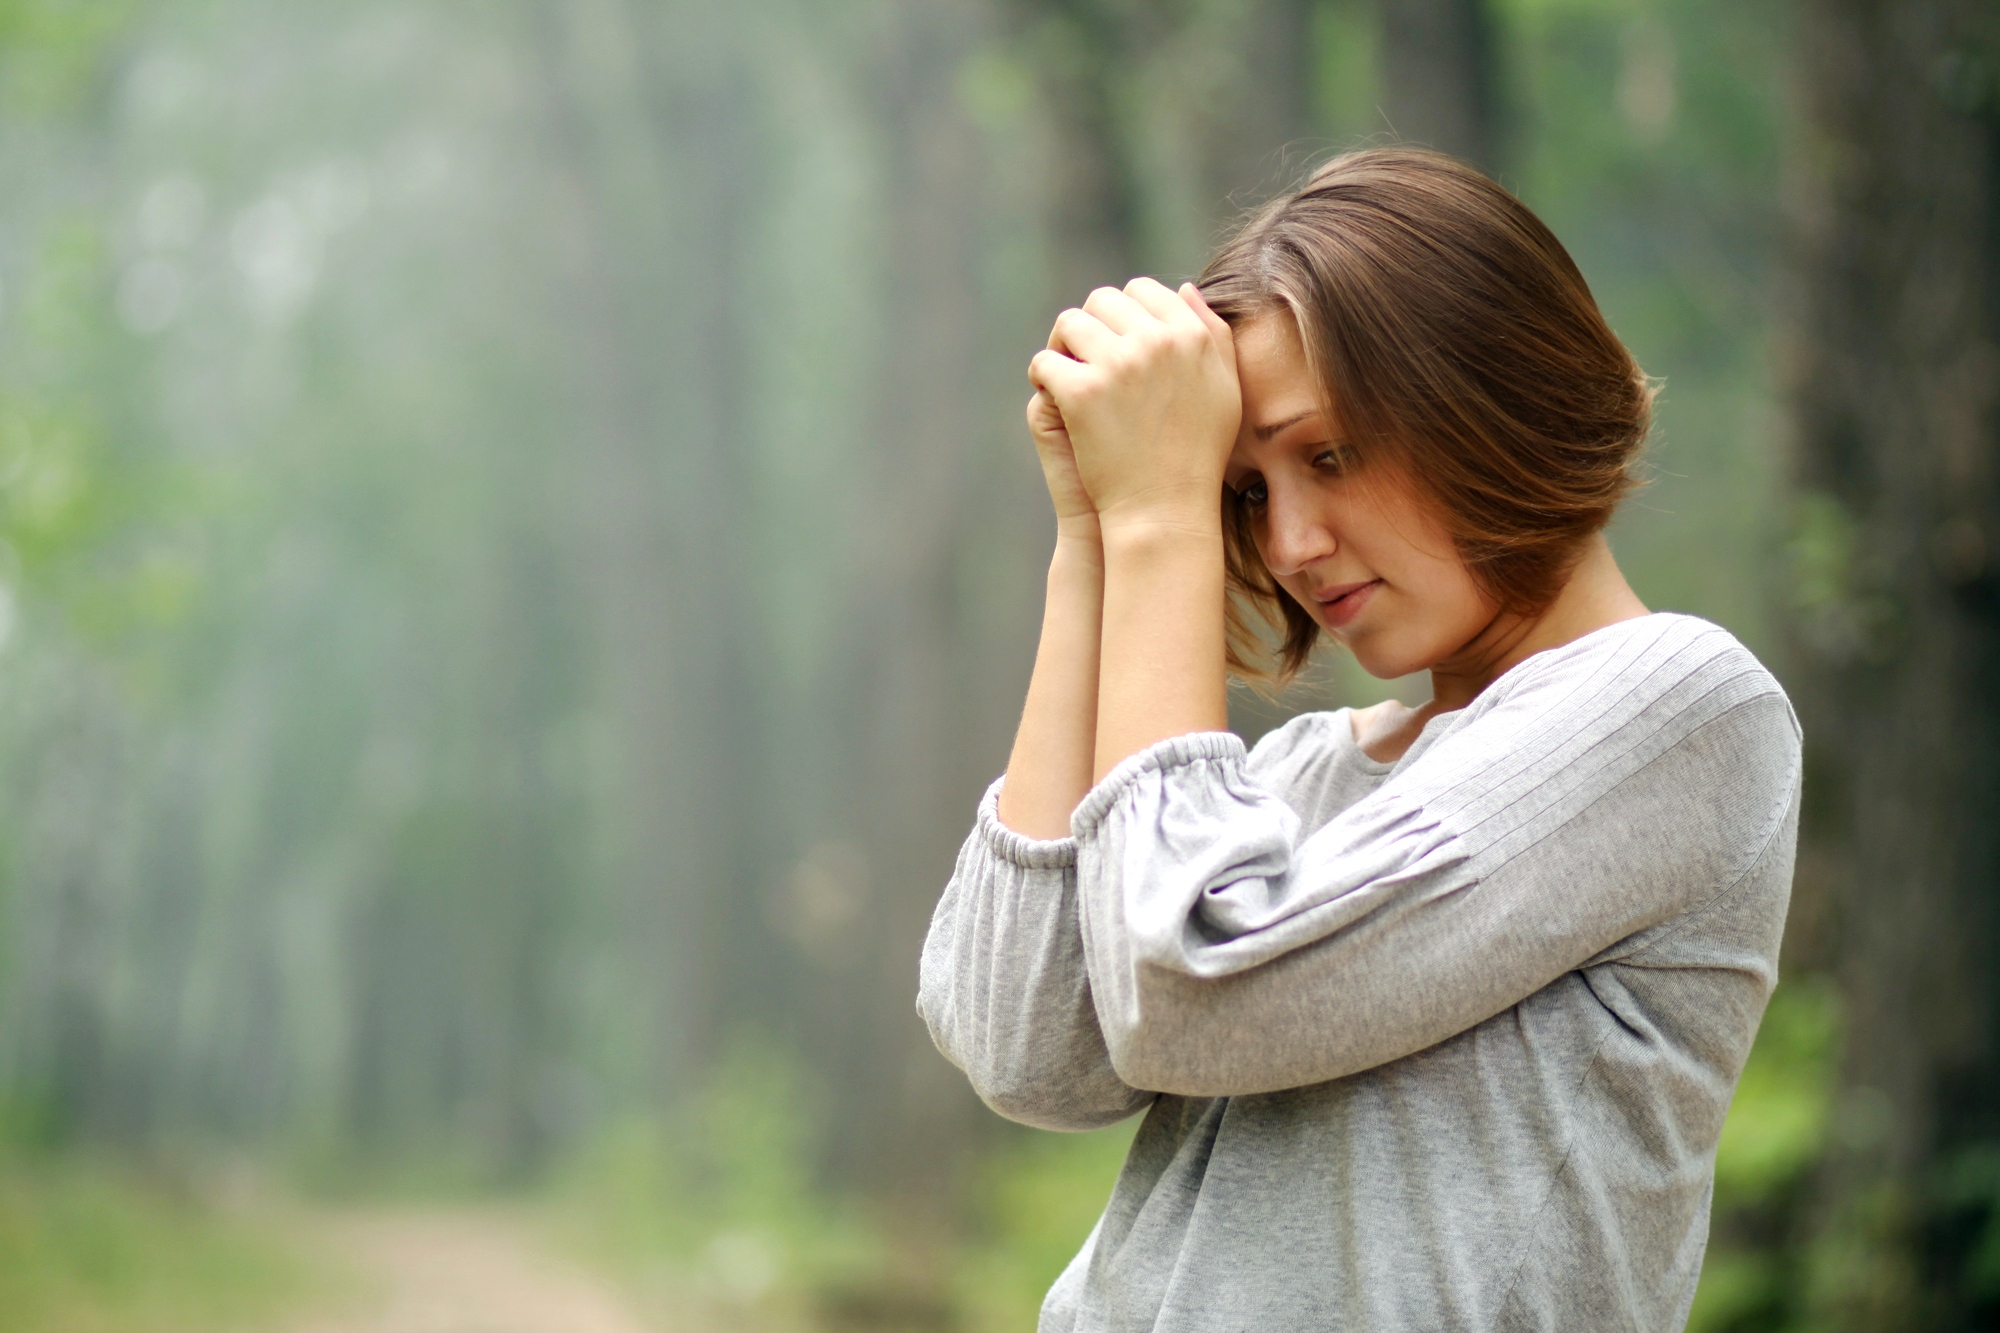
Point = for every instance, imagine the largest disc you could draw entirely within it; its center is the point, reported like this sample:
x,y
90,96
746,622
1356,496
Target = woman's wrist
x,y
1081,532
1158,532
1077,563
1197,512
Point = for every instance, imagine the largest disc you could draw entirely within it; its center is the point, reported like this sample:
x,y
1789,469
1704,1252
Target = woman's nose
x,y
1294,537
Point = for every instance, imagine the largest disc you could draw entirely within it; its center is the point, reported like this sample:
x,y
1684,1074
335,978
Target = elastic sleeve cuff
x,y
1174,752
1018,848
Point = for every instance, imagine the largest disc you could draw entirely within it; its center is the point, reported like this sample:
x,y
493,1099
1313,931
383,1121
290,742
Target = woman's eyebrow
x,y
1266,432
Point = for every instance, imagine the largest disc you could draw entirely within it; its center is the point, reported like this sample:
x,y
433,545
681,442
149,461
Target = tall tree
x,y
1439,84
1894,378
1259,136
1082,53
904,694
654,124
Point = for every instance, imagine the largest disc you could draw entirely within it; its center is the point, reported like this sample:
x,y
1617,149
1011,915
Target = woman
x,y
1434,1013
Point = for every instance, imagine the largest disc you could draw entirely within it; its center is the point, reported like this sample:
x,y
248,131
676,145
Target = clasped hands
x,y
1136,408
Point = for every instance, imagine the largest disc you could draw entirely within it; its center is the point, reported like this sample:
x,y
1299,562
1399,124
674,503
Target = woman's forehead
x,y
1278,386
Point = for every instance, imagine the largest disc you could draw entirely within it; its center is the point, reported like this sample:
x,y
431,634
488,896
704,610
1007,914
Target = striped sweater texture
x,y
1443,1044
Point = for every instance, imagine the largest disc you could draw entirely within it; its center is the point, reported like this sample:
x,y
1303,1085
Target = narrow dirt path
x,y
465,1272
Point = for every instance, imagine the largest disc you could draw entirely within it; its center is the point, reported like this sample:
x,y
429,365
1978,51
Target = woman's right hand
x,y
1076,516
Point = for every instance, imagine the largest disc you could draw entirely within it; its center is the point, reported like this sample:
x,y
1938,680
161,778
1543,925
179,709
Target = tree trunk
x,y
1259,138
658,362
1438,77
903,710
1893,376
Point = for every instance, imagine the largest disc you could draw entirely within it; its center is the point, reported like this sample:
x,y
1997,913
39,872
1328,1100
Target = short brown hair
x,y
1451,331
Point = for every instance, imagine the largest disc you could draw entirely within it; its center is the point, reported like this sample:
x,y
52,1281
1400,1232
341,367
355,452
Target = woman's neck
x,y
1595,595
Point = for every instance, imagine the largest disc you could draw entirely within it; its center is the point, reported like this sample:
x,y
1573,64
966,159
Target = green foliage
x,y
1754,1277
92,1248
1778,1121
1036,1202
1971,1183
51,439
719,1206
1832,586
51,51
1822,550
720,1200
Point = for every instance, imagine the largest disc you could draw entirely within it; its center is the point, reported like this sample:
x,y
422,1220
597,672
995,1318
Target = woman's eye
x,y
1252,494
1337,459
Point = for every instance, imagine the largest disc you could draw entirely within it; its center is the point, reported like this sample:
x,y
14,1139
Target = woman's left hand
x,y
1145,379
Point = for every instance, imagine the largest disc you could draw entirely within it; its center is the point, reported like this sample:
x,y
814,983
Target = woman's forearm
x,y
1162,671
1049,772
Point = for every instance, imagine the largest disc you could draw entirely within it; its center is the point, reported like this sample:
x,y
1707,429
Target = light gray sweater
x,y
1443,1044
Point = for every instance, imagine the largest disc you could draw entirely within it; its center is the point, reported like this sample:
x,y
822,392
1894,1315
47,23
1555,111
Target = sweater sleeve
x,y
1578,806
1003,986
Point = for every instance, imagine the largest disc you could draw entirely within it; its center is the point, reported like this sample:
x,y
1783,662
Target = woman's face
x,y
1349,537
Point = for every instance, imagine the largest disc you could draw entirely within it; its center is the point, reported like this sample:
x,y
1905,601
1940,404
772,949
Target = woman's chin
x,y
1384,661
1384,668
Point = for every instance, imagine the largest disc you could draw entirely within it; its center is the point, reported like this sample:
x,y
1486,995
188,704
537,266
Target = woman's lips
x,y
1341,603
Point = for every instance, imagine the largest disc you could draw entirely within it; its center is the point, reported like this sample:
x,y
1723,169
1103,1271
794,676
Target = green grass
x,y
714,1214
87,1247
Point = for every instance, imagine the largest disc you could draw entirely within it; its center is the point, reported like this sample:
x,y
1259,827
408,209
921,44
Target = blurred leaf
x,y
1778,1119
1035,1204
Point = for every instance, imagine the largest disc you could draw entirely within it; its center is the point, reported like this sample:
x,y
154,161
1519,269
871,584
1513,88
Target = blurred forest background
x,y
518,552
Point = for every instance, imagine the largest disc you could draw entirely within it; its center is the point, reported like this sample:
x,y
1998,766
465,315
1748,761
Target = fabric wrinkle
x,y
1442,1044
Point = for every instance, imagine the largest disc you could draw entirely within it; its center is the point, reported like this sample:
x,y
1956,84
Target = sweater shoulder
x,y
1654,667
1567,727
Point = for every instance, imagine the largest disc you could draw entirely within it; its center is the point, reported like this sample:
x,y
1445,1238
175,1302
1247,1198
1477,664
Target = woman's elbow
x,y
1064,1109
1049,1086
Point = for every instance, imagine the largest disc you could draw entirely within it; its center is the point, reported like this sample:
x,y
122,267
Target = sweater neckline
x,y
1509,678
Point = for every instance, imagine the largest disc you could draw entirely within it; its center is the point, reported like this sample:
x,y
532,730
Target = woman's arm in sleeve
x,y
1003,986
1229,954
